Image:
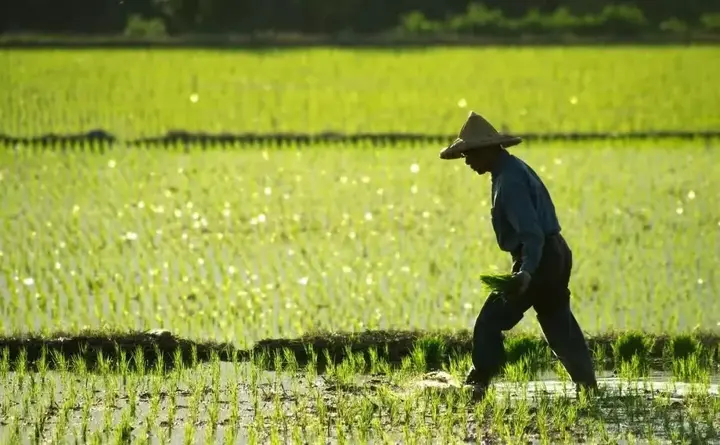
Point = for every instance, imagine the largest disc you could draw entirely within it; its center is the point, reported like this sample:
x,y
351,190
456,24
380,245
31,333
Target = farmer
x,y
526,226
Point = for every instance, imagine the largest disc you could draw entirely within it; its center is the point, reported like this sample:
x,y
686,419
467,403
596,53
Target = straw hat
x,y
477,133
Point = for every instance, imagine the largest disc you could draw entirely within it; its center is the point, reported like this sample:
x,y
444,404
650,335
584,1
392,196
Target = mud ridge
x,y
92,348
441,347
320,349
100,140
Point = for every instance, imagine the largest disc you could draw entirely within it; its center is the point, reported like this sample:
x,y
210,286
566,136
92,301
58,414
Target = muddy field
x,y
388,387
240,403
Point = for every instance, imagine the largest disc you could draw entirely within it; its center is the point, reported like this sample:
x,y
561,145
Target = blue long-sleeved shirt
x,y
523,213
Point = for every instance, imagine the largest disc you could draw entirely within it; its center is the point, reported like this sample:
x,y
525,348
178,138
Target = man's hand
x,y
520,282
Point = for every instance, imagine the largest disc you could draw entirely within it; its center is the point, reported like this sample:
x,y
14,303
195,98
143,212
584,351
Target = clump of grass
x,y
680,347
500,283
631,344
634,368
433,349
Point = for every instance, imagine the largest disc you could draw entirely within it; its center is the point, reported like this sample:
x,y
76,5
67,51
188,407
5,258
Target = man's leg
x,y
567,341
488,355
557,321
559,325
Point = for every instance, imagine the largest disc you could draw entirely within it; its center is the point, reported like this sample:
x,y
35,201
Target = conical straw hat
x,y
477,133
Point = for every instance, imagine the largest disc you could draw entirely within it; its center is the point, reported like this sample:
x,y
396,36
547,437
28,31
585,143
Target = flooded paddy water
x,y
240,403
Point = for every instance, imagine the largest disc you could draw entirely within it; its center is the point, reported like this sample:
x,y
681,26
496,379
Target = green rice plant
x,y
518,372
633,369
70,399
458,365
195,401
341,431
189,434
5,364
355,361
123,430
434,350
14,435
407,368
131,392
378,364
522,419
690,369
560,371
85,406
418,359
152,415
97,438
139,360
366,415
551,102
174,220
79,365
159,365
171,411
43,414
252,434
679,347
58,360
213,410
21,364
290,361
542,419
41,364
499,283
631,346
344,374
360,362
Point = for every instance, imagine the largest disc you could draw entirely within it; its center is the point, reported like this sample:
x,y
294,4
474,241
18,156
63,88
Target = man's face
x,y
480,161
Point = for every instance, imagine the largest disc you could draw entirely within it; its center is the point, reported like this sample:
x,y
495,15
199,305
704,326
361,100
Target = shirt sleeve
x,y
521,215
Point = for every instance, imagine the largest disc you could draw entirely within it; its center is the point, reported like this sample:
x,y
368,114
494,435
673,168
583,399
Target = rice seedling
x,y
357,90
365,414
440,306
499,283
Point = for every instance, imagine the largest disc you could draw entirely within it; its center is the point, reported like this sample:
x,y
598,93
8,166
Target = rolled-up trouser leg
x,y
497,315
567,341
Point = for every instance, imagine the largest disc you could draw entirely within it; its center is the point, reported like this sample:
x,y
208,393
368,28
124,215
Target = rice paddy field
x,y
327,293
135,93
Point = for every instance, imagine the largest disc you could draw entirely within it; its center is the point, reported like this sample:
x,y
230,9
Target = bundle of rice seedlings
x,y
500,283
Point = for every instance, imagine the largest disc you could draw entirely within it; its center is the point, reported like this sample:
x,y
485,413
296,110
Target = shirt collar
x,y
501,163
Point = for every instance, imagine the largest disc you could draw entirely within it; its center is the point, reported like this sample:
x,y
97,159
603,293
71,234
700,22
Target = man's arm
x,y
522,216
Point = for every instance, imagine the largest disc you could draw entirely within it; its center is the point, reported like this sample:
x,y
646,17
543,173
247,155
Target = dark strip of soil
x,y
100,139
164,350
158,348
439,348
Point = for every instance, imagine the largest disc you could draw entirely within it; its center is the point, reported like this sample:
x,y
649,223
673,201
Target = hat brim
x,y
459,147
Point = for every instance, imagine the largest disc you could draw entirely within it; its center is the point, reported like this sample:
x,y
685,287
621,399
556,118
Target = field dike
x,y
99,139
425,350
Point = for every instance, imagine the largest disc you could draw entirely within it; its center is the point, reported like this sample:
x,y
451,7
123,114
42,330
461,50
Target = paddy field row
x,y
244,245
136,93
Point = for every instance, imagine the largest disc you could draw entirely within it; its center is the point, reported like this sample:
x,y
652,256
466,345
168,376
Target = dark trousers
x,y
549,295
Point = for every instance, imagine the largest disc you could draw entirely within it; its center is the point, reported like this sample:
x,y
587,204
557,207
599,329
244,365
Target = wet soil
x,y
235,403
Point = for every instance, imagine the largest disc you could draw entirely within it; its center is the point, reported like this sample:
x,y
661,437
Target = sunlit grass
x,y
147,92
247,244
